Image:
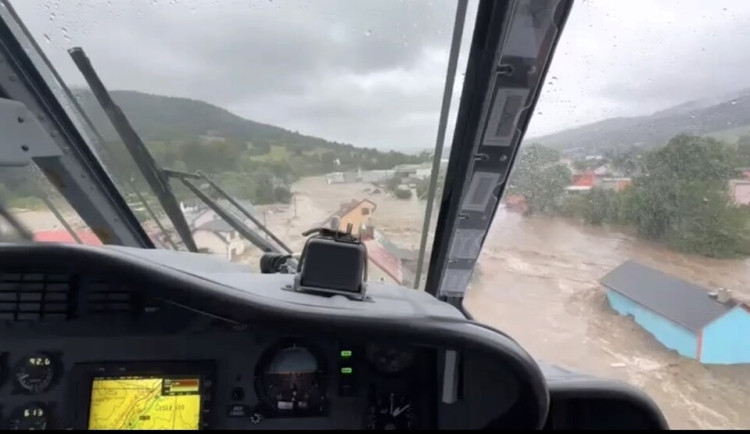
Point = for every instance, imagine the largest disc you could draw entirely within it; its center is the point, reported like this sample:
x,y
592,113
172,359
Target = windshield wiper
x,y
17,226
100,145
236,224
137,149
158,178
244,211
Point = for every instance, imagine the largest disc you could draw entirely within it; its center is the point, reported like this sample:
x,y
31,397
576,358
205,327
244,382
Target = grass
x,y
277,153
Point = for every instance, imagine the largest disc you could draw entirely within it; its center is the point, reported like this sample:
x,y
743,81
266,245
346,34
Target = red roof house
x,y
63,236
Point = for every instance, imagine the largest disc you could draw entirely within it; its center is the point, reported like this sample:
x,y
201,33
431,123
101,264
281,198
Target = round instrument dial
x,y
36,373
291,380
391,411
389,359
29,417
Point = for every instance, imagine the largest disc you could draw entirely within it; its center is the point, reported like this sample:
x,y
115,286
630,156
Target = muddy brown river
x,y
538,281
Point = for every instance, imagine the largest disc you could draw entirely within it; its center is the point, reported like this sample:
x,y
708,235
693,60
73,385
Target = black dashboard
x,y
117,338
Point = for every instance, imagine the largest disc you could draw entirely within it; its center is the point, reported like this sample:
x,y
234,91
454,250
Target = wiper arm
x,y
100,145
237,225
245,212
135,146
17,226
53,209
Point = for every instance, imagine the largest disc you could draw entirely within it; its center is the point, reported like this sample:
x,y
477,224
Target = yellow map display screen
x,y
144,403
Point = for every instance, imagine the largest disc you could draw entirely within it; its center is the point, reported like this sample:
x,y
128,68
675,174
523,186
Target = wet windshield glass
x,y
621,245
637,151
284,105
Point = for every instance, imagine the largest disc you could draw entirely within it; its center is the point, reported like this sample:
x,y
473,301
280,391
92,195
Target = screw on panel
x,y
25,148
503,157
20,120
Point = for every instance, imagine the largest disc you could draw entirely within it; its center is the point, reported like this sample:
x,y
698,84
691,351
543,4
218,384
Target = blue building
x,y
709,327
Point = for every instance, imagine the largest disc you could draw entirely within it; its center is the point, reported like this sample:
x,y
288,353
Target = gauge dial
x,y
391,411
390,359
292,381
36,373
29,417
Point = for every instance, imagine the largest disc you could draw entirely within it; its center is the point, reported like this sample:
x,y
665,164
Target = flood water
x,y
538,281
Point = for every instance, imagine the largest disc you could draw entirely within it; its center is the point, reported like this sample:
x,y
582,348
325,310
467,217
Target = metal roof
x,y
215,225
682,302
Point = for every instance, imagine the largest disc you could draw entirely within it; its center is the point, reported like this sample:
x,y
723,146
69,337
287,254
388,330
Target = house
x,y
586,179
199,214
219,238
375,176
383,263
575,189
615,184
87,237
397,262
387,266
739,191
712,328
334,178
355,212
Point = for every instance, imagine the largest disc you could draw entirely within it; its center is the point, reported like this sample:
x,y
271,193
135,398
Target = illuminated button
x,y
346,370
345,354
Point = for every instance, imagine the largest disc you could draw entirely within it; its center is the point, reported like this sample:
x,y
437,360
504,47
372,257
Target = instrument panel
x,y
216,379
166,340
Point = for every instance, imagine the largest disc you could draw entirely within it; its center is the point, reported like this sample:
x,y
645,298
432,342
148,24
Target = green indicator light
x,y
346,353
346,370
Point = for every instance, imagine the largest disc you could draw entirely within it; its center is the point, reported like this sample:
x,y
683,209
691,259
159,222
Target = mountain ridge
x,y
719,115
165,118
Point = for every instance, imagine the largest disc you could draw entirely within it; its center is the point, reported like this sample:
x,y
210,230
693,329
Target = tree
x,y
282,194
743,151
403,193
682,198
392,183
540,179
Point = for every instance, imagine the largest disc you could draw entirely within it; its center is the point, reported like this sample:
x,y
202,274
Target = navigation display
x,y
145,403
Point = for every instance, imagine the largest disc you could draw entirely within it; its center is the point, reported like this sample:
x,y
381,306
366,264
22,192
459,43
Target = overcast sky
x,y
372,73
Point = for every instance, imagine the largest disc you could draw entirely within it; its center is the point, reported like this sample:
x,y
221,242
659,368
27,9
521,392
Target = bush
x,y
393,183
402,193
282,194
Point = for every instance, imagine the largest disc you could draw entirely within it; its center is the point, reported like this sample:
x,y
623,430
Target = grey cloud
x,y
275,62
640,56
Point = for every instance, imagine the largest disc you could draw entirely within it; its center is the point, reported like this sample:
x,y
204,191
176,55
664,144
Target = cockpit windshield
x,y
304,113
620,246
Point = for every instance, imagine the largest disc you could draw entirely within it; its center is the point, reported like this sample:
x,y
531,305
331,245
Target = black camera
x,y
332,262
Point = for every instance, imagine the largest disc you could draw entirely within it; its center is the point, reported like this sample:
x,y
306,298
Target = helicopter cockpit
x,y
129,336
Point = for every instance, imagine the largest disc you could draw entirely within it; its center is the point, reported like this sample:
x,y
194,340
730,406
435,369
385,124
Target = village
x,y
600,300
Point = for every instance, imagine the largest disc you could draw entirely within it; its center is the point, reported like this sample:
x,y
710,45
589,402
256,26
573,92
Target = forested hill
x,y
169,119
725,117
251,160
